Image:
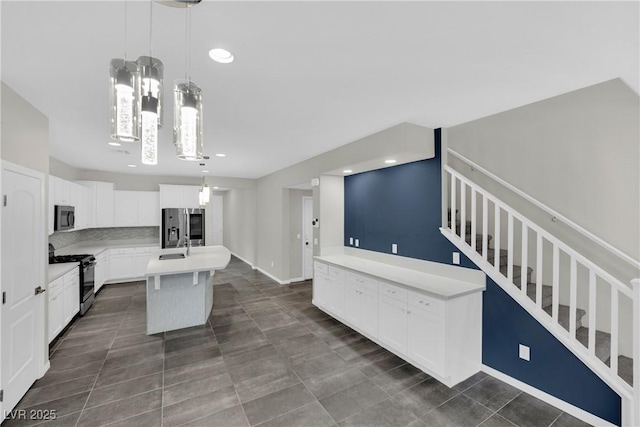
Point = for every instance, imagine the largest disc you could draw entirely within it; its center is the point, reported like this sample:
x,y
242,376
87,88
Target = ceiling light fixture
x,y
347,171
124,95
390,161
115,144
221,155
222,56
187,113
204,194
151,71
132,166
205,171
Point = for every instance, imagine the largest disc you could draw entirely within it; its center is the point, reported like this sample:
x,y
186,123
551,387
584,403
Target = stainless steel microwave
x,y
64,218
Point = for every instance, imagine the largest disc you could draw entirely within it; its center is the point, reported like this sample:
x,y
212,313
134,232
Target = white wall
x,y
272,207
239,235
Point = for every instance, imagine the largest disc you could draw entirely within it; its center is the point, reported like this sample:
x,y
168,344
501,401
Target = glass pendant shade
x,y
187,123
151,80
149,118
124,100
204,195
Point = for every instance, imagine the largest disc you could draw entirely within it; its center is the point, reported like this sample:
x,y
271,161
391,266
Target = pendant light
x,y
151,70
124,96
204,194
187,124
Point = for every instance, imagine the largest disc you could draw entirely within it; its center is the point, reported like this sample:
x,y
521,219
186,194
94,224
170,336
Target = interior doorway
x,y
307,237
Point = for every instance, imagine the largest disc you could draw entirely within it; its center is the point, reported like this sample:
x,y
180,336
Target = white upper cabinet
x,y
100,206
136,208
179,196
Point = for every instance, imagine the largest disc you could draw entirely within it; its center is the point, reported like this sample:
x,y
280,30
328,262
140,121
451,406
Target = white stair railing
x,y
554,261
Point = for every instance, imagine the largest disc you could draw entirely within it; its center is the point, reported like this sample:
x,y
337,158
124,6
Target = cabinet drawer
x,y
55,286
122,251
362,281
336,273
393,291
321,268
72,276
424,302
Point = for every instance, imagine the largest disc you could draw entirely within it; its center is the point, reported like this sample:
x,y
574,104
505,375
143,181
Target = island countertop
x,y
203,258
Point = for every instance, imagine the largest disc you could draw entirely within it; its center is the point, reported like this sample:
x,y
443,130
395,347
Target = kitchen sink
x,y
171,256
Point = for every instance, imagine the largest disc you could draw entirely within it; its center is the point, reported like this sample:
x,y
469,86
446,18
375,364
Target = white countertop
x,y
435,285
203,258
94,248
59,270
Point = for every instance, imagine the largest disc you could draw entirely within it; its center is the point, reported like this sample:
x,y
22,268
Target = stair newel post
x,y
635,285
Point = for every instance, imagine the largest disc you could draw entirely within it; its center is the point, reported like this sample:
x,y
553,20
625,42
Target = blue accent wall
x,y
401,205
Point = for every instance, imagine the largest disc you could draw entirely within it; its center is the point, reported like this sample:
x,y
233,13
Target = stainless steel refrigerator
x,y
179,224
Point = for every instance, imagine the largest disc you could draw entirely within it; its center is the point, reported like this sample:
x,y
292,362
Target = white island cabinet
x,y
180,291
433,320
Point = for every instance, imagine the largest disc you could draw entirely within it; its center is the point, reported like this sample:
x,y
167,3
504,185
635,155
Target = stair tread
x,y
625,369
603,342
563,315
547,293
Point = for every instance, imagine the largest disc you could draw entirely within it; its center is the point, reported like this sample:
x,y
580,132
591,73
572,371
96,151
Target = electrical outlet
x,y
394,248
456,258
524,352
351,241
357,243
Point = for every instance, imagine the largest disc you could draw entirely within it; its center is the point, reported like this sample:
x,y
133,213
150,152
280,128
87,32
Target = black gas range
x,y
86,264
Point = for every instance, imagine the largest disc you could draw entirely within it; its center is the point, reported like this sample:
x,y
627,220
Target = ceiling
x,y
308,76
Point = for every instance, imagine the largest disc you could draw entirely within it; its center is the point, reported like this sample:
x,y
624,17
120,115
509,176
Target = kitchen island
x,y
180,291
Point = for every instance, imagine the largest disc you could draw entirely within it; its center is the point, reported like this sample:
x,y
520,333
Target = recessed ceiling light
x,y
115,144
215,188
132,166
390,161
205,171
347,171
222,56
221,155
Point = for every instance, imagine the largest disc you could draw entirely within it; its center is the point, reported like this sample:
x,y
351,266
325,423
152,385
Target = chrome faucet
x,y
188,244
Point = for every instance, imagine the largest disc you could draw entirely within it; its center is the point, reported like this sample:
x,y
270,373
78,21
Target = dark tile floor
x,y
267,357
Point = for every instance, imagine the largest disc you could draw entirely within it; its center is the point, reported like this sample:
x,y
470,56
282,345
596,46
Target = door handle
x,y
39,290
306,243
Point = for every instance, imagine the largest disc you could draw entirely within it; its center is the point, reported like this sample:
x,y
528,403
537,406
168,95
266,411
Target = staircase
x,y
535,268
603,339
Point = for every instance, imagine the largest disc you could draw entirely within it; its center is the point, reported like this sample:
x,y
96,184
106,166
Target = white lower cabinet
x,y
101,271
64,301
56,308
129,263
440,336
392,330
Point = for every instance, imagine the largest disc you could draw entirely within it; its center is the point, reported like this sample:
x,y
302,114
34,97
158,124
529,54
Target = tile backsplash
x,y
60,240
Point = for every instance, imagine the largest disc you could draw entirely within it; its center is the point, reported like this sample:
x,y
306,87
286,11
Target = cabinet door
x,y
321,290
148,208
104,203
369,312
56,313
52,196
98,276
170,196
426,339
82,206
142,259
125,208
392,323
353,312
190,196
122,266
71,304
337,296
61,192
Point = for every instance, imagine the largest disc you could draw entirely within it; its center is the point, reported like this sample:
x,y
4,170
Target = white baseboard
x,y
243,260
282,282
45,368
297,279
547,398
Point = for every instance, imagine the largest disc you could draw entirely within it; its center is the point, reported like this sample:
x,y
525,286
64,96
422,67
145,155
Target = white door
x,y
22,338
216,223
307,237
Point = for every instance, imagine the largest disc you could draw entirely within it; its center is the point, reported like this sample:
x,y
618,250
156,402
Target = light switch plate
x,y
315,241
394,248
456,258
357,243
524,352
